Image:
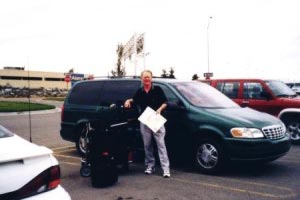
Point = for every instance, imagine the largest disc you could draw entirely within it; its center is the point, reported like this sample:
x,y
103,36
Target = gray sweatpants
x,y
159,137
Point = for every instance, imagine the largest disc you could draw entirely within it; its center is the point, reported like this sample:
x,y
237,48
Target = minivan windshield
x,y
280,89
203,95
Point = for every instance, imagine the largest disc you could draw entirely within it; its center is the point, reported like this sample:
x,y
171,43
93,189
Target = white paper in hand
x,y
151,119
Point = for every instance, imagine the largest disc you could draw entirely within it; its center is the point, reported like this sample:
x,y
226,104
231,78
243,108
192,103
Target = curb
x,y
55,110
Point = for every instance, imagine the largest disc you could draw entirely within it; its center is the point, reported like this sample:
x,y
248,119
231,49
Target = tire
x,y
293,128
81,142
85,171
209,156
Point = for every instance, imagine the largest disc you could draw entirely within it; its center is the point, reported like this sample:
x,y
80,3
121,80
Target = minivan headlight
x,y
246,133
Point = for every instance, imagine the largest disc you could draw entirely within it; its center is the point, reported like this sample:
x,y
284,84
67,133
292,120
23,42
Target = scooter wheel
x,y
85,171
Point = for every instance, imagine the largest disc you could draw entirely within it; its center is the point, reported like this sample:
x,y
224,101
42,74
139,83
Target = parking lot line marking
x,y
64,150
65,147
255,183
242,190
260,184
70,163
65,156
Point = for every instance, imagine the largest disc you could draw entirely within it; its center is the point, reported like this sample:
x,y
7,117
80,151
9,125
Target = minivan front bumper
x,y
256,149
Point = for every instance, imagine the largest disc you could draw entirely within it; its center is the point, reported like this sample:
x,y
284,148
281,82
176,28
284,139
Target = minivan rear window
x,y
86,93
103,93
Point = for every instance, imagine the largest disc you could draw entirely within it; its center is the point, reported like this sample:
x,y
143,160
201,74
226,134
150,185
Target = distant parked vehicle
x,y
270,96
295,87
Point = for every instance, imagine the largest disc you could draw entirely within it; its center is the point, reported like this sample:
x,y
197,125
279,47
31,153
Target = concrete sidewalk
x,y
31,112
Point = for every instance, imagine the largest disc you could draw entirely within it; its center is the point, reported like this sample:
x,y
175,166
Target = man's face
x,y
146,78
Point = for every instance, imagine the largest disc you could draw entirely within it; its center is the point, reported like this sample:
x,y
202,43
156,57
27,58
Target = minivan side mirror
x,y
175,105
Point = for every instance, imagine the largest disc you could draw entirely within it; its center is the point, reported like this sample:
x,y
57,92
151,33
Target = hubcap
x,y
294,131
82,144
207,156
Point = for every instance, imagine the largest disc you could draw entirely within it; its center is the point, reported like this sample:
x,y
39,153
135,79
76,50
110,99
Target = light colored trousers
x,y
159,137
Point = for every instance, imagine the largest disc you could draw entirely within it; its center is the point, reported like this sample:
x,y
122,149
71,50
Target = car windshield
x,y
203,95
4,132
280,89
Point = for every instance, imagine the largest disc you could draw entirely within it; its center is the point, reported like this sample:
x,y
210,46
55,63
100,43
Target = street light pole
x,y
208,43
144,55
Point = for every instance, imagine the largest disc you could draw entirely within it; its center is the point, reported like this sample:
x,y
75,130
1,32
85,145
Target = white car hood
x,y
16,148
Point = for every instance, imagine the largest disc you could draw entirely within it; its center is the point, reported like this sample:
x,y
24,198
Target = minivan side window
x,y
86,93
171,97
252,90
118,91
230,89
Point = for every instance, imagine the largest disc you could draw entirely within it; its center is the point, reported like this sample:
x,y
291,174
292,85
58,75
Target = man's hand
x,y
127,103
161,108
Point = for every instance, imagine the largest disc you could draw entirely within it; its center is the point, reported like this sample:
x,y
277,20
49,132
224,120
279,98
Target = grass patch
x,y
8,106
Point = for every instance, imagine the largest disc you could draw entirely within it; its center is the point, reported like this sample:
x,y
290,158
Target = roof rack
x,y
119,77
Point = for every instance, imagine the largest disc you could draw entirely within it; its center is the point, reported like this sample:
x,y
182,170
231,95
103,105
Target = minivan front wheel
x,y
209,156
293,128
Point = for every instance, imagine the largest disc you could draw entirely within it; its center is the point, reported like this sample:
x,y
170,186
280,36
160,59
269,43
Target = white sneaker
x,y
166,174
149,170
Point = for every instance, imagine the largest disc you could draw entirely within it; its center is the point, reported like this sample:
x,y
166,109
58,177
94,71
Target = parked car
x,y
270,96
203,125
28,171
295,87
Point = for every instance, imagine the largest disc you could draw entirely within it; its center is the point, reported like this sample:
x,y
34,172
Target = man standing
x,y
152,96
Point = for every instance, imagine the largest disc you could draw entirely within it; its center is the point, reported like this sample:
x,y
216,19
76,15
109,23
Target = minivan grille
x,y
274,132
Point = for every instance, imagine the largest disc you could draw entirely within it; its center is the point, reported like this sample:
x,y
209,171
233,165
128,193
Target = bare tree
x,y
120,70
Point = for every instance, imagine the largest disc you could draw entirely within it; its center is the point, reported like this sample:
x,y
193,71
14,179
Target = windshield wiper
x,y
282,95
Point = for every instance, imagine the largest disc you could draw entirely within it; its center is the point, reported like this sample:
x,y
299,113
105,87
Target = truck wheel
x,y
293,128
209,156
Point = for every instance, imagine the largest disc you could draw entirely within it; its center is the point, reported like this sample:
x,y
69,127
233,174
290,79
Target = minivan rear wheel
x,y
81,144
209,156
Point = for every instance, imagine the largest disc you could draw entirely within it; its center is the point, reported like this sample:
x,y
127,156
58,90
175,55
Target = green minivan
x,y
203,125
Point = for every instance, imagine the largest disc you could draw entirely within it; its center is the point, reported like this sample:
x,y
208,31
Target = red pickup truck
x,y
270,96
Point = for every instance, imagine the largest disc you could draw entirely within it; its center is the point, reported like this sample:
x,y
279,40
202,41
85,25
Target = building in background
x,y
18,77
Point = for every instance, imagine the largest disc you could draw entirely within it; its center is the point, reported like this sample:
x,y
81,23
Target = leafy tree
x,y
120,70
168,75
195,77
164,74
171,74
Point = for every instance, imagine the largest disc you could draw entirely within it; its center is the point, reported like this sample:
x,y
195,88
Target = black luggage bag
x,y
103,161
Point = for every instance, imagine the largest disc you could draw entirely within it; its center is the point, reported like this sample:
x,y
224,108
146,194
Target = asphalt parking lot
x,y
277,180
272,181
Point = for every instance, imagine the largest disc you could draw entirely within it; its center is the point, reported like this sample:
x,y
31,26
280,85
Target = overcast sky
x,y
247,38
